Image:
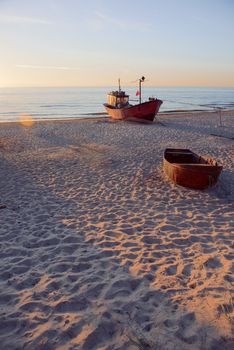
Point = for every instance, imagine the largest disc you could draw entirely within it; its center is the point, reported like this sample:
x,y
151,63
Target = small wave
x,y
9,113
61,106
219,105
95,113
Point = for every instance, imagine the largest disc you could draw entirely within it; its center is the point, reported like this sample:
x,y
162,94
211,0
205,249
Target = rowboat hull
x,y
144,112
187,169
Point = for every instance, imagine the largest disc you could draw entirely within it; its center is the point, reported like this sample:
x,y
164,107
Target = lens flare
x,y
26,119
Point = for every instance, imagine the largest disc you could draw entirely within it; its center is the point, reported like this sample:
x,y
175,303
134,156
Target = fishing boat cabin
x,y
118,99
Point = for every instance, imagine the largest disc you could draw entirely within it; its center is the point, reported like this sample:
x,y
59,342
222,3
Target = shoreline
x,y
100,250
104,116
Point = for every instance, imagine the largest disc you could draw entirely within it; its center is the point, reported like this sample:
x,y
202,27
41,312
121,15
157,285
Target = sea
x,y
79,102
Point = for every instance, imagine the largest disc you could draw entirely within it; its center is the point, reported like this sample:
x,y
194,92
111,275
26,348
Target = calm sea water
x,y
62,103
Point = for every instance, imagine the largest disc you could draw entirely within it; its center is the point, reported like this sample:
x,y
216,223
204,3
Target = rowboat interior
x,y
183,156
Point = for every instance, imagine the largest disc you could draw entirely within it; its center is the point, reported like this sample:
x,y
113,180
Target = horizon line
x,y
107,86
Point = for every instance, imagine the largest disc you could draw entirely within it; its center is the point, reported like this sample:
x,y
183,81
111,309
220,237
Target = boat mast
x,y
141,80
119,85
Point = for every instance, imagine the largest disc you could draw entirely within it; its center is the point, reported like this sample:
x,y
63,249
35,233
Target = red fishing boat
x,y
188,169
118,106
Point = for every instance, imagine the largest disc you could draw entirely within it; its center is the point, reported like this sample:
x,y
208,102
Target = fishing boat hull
x,y
187,169
143,112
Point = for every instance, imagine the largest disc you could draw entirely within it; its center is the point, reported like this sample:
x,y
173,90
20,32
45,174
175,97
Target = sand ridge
x,y
100,250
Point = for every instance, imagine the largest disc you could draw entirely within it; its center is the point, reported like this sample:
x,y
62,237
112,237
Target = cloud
x,y
29,66
105,19
22,20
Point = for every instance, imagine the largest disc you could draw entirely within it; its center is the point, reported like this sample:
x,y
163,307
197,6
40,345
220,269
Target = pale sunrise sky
x,y
94,42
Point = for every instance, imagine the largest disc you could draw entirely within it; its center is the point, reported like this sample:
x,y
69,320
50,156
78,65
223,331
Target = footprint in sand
x,y
187,270
123,288
213,263
72,305
171,270
105,330
185,323
8,327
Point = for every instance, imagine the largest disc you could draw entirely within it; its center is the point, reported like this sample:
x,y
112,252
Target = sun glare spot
x,y
26,119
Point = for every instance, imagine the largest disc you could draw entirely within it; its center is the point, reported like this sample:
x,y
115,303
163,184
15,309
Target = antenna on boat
x,y
141,80
119,85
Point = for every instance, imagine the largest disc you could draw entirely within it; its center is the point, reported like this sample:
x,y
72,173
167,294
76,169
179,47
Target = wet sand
x,y
100,250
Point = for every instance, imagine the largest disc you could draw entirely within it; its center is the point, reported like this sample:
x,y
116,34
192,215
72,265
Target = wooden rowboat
x,y
187,169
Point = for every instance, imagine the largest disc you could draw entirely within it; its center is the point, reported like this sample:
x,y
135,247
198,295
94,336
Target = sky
x,y
95,42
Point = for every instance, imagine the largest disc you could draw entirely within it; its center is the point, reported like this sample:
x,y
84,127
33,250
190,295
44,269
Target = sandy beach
x,y
100,250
